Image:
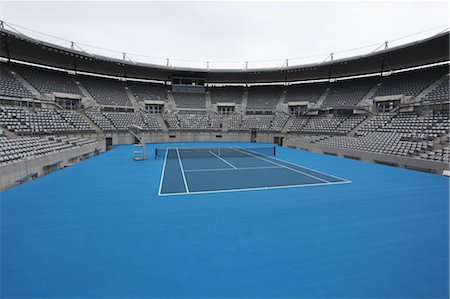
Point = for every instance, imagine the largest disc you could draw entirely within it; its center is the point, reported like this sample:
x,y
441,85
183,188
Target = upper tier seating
x,y
14,150
48,81
305,92
348,93
106,91
42,121
440,93
190,100
9,86
263,97
409,83
148,91
231,94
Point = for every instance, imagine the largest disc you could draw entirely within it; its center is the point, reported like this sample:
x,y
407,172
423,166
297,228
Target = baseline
x,y
233,169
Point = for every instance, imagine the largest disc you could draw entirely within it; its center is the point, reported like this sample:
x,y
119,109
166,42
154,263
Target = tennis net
x,y
213,152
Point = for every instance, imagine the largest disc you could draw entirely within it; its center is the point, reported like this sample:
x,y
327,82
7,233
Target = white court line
x,y
284,166
324,173
182,171
221,169
222,159
253,189
162,173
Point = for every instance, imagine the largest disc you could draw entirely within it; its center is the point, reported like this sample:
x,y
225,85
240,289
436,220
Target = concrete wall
x,y
191,136
10,173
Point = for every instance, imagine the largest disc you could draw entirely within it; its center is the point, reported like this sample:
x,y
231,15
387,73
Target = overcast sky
x,y
231,31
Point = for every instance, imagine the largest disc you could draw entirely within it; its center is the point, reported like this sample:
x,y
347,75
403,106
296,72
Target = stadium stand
x,y
412,134
9,86
148,91
305,92
260,122
387,143
278,122
405,134
234,122
106,91
231,94
48,81
440,155
189,100
171,121
348,93
121,121
263,97
440,93
18,149
42,121
100,120
409,83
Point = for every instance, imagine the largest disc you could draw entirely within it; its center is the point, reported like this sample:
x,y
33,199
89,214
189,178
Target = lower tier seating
x,y
42,121
17,149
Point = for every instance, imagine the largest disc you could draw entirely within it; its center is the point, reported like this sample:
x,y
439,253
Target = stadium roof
x,y
431,50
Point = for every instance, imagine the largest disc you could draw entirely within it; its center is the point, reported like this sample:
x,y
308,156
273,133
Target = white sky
x,y
227,31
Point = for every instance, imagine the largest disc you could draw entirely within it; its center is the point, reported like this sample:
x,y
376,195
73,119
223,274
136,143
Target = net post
x,y
156,153
274,151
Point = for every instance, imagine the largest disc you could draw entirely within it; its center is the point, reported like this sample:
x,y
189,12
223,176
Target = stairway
x,y
28,86
360,125
170,103
244,102
430,88
94,125
8,133
208,104
224,123
133,99
367,100
322,98
162,123
87,99
288,124
281,105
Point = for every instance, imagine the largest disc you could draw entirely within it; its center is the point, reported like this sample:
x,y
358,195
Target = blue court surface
x,y
230,169
108,227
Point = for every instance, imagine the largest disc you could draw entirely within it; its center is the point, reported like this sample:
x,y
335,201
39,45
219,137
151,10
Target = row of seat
x,y
112,92
13,150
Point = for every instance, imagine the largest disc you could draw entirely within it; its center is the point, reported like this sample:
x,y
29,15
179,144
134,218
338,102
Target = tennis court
x,y
229,169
